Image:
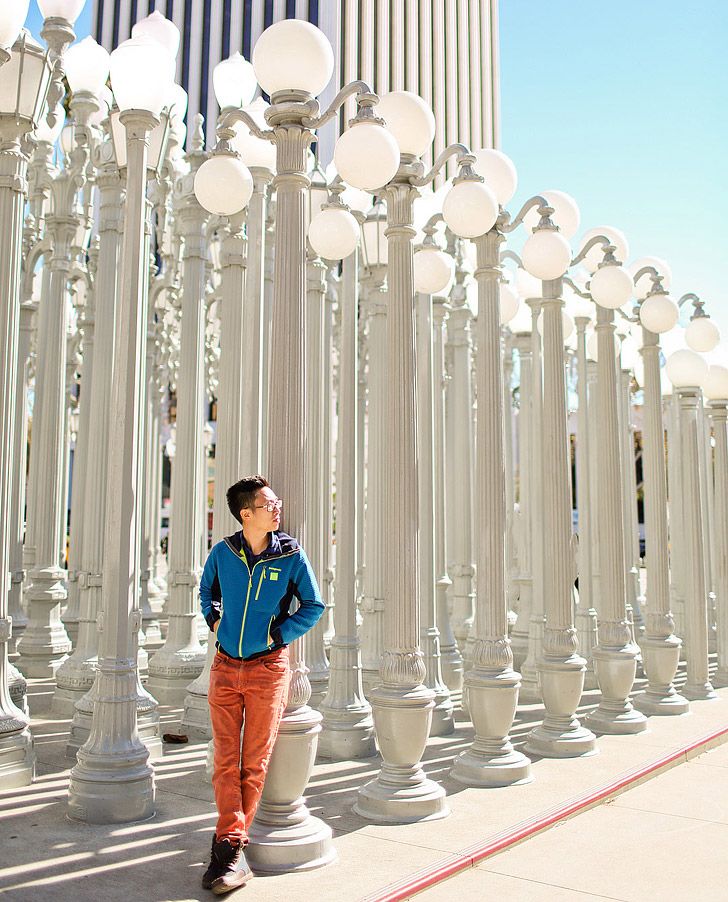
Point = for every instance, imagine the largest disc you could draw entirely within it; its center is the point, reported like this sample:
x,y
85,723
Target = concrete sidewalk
x,y
664,841
162,860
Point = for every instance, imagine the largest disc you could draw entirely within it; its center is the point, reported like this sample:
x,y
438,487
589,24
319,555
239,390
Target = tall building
x,y
444,50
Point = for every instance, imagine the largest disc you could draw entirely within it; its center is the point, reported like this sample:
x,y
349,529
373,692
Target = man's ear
x,y
244,514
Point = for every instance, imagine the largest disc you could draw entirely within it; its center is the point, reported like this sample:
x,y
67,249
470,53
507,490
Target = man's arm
x,y
210,594
311,606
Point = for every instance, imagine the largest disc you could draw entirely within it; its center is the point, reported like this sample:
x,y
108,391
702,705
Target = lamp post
x,y
660,646
715,390
687,370
615,654
113,781
24,67
293,63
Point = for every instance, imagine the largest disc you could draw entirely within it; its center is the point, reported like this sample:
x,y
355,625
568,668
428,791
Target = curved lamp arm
x,y
512,255
597,240
225,132
544,209
572,284
366,99
465,160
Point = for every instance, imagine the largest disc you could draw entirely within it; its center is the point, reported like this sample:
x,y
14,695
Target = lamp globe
x,y
686,368
12,19
643,285
141,75
161,30
223,184
409,119
509,303
715,384
333,233
234,82
433,270
702,335
546,255
659,313
69,10
366,156
499,173
611,287
293,55
470,209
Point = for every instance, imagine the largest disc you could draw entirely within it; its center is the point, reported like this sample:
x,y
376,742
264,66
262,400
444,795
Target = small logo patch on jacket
x,y
273,574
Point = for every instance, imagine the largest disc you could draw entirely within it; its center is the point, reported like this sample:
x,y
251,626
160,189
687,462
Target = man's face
x,y
259,516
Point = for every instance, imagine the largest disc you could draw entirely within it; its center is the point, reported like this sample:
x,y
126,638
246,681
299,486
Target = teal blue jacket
x,y
262,607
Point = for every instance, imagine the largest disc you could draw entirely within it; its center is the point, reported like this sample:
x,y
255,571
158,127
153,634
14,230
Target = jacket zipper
x,y
260,583
270,624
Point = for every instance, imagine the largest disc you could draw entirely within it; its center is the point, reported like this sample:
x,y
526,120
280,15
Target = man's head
x,y
249,501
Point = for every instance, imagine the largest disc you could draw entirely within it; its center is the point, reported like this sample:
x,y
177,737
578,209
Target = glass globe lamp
x,y
659,313
702,335
366,156
508,302
566,213
715,384
522,322
333,233
293,55
611,286
177,101
374,240
567,324
546,255
470,209
499,173
161,30
69,10
12,19
223,185
356,199
595,255
409,119
527,285
686,368
255,151
234,82
643,285
87,66
433,270
141,75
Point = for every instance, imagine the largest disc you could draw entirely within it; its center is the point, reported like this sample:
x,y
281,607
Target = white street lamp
x,y
87,66
12,19
498,171
159,29
122,789
565,216
546,254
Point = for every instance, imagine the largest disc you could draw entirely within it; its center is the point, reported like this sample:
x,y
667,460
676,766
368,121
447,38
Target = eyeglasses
x,y
270,506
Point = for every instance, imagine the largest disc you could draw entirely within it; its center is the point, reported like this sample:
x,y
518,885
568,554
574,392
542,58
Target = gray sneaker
x,y
233,870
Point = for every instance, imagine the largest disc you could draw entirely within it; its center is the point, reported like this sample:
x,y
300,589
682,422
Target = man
x,y
248,587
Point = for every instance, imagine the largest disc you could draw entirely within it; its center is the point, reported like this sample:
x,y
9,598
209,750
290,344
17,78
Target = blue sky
x,y
623,106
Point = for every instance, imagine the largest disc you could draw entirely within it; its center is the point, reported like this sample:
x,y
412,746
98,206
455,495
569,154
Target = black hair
x,y
243,493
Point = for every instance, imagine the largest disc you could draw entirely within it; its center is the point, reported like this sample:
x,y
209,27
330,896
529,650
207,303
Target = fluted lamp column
x,y
284,835
492,684
23,60
687,370
615,655
660,646
715,390
113,781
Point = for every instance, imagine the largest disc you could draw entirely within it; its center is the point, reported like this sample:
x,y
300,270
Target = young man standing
x,y
248,587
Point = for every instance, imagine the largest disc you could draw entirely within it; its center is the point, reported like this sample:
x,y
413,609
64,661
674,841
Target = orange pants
x,y
254,692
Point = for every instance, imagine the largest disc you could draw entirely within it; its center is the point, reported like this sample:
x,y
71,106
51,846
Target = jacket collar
x,y
278,543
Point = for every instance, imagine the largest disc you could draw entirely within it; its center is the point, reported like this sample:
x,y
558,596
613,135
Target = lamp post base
x,y
615,667
660,656
401,793
100,793
284,835
699,691
196,714
17,757
561,735
18,689
491,760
